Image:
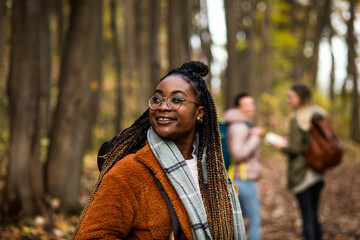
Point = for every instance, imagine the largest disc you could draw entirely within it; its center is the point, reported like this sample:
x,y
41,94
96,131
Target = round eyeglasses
x,y
174,102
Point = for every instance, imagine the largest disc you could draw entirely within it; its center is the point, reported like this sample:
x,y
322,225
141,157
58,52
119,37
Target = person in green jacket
x,y
303,181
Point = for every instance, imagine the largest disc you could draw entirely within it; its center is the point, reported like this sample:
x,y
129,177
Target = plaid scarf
x,y
176,169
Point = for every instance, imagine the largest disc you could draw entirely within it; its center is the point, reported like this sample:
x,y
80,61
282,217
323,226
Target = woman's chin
x,y
163,133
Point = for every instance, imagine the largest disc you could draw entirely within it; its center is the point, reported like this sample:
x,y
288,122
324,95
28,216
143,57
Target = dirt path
x,y
339,206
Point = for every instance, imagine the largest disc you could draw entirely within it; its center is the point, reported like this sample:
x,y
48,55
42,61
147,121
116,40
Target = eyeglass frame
x,y
166,99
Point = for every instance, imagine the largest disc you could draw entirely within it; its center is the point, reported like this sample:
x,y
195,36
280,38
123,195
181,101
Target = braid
x,y
129,140
215,192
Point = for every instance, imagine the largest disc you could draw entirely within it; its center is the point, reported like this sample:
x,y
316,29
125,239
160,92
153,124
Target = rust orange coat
x,y
129,204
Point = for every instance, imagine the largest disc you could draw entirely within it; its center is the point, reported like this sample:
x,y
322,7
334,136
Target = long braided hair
x,y
215,192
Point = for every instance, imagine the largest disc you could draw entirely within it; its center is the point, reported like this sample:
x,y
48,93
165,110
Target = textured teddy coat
x,y
129,204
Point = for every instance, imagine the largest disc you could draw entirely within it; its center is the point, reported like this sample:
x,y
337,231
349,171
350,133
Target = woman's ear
x,y
201,111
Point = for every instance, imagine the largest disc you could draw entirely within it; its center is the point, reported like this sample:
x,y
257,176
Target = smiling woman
x,y
177,140
176,120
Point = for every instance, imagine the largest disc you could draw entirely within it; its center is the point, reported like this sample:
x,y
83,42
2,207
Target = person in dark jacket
x,y
179,141
303,181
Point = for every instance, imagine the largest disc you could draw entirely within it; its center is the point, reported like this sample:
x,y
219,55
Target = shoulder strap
x,y
103,150
174,218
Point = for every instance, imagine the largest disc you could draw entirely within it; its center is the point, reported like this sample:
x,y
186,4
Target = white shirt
x,y
192,164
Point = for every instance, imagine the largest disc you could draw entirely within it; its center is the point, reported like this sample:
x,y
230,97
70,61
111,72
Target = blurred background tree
x,y
73,73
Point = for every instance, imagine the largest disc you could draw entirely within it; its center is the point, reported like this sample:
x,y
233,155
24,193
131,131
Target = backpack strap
x,y
103,150
249,125
174,219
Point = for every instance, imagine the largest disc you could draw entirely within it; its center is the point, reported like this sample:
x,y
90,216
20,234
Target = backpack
x,y
103,150
223,134
324,150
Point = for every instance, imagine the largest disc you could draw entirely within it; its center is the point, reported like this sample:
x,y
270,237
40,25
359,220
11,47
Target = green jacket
x,y
299,141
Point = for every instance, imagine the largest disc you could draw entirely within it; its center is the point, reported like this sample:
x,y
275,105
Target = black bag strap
x,y
103,150
174,219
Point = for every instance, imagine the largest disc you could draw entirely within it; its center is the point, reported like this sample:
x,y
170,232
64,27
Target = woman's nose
x,y
164,106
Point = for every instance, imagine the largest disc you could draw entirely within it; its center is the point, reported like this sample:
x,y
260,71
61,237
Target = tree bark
x,y
249,82
299,27
323,10
130,49
231,82
154,43
45,69
178,33
59,13
144,54
205,37
265,76
29,70
352,75
332,73
79,85
185,19
3,30
330,31
117,65
266,79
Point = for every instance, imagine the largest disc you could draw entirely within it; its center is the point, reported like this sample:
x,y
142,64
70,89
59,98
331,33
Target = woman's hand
x,y
281,144
258,131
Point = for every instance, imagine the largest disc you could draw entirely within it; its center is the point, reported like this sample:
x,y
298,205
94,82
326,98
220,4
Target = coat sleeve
x,y
299,140
111,213
241,145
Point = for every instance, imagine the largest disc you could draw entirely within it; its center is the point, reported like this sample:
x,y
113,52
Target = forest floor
x,y
339,204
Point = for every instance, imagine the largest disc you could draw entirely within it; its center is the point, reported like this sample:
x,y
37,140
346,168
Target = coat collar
x,y
146,157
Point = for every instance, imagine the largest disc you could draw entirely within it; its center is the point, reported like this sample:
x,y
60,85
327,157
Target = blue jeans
x,y
250,206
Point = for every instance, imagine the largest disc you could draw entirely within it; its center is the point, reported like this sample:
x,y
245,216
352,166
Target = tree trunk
x,y
352,75
178,38
249,82
330,36
96,84
332,73
154,44
205,37
59,13
144,54
185,30
266,79
117,65
3,30
231,82
265,76
322,9
130,47
79,83
299,27
45,69
29,68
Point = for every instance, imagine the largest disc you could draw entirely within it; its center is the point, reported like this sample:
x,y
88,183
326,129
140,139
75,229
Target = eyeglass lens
x,y
174,102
